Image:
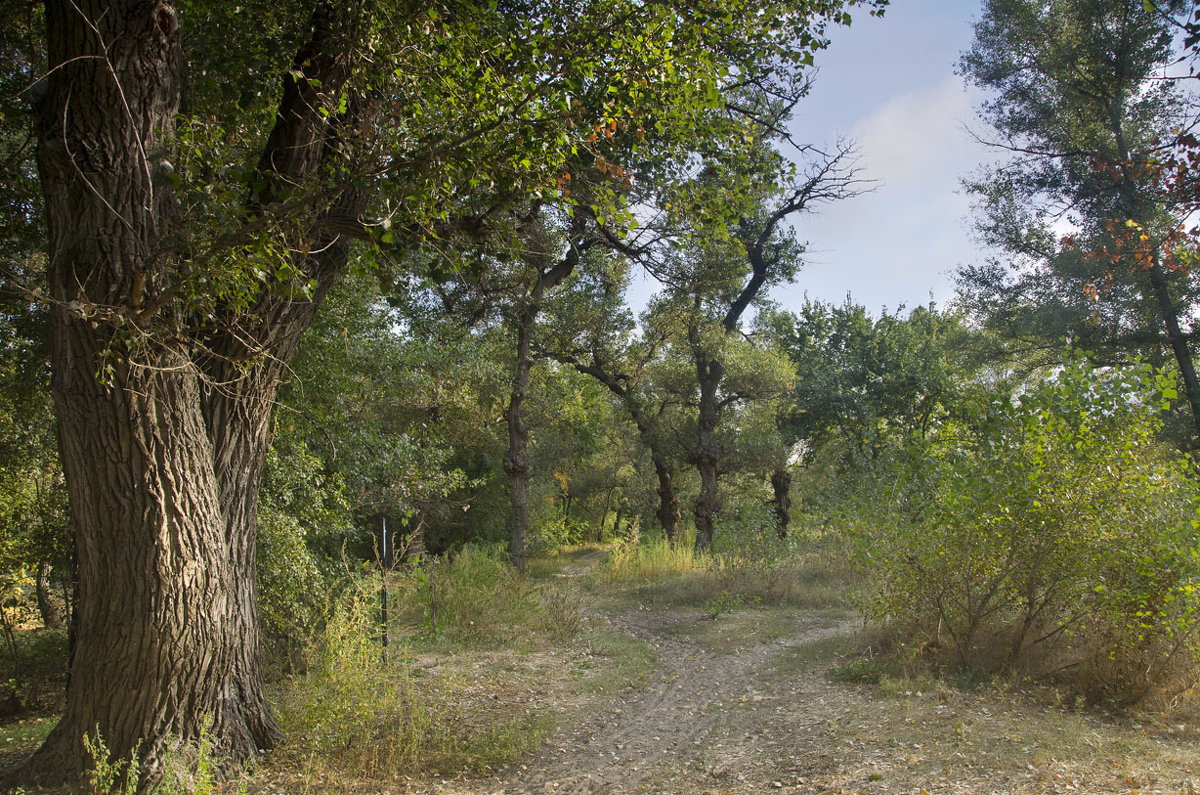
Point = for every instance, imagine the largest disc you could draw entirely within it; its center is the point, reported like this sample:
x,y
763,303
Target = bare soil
x,y
737,706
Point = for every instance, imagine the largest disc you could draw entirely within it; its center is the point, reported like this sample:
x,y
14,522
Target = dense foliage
x,y
1052,535
382,308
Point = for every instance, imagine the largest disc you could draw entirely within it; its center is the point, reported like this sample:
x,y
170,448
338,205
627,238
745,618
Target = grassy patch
x,y
820,655
613,662
477,598
482,660
25,732
567,561
789,573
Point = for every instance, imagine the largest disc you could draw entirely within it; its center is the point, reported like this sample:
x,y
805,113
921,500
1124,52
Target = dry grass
x,y
484,702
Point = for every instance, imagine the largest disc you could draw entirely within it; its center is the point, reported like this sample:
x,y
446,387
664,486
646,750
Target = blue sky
x,y
889,85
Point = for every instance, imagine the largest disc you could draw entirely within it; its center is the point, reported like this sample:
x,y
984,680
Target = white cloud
x,y
900,242
918,135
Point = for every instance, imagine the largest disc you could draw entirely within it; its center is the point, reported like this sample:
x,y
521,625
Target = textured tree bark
x,y
781,483
51,615
668,501
708,450
162,448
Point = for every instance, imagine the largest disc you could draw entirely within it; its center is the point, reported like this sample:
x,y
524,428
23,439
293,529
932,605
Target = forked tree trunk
x,y
162,450
167,640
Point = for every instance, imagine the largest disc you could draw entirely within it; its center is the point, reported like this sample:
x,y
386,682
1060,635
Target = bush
x,y
1055,536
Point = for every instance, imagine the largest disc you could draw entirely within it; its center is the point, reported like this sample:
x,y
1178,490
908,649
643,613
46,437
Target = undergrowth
x,y
361,712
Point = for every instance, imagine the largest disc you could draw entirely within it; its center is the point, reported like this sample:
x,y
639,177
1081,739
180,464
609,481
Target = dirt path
x,y
709,720
696,726
728,711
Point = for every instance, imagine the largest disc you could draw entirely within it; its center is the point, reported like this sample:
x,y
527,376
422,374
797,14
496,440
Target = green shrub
x,y
300,511
1056,536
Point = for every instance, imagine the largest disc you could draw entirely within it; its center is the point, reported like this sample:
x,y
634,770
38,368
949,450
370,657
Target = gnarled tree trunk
x,y
162,447
647,425
668,501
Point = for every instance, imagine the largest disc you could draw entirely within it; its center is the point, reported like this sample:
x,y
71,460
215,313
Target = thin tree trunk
x,y
708,451
668,502
516,459
781,482
608,495
51,615
1168,312
1179,347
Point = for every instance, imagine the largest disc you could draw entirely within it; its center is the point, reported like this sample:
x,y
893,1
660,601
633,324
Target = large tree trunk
x,y
162,449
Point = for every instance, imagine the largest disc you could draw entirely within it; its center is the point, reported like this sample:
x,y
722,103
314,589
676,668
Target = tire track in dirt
x,y
665,737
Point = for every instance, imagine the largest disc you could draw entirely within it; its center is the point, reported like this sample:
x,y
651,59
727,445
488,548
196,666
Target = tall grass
x,y
750,564
355,710
637,558
476,597
360,712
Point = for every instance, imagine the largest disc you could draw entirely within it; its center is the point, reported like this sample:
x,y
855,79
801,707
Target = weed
x,y
355,710
725,602
108,776
192,768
